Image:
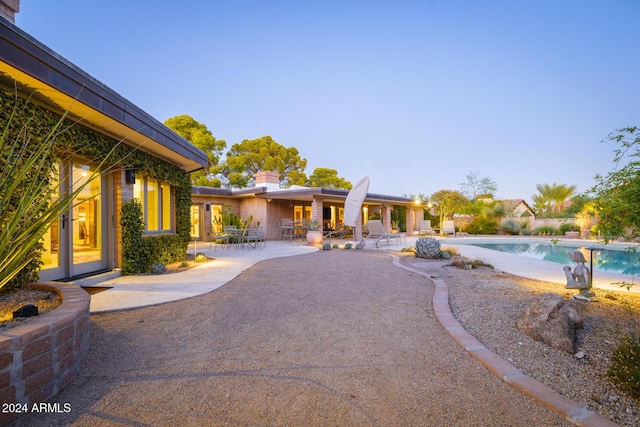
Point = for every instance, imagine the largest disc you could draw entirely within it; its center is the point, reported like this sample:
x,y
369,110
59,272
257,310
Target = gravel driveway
x,y
329,338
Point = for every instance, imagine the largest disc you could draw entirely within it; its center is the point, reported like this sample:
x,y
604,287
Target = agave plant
x,y
427,247
31,200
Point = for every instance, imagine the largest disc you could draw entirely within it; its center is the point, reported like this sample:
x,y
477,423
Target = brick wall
x,y
43,355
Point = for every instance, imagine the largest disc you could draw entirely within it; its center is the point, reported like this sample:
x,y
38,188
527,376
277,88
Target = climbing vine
x,y
33,122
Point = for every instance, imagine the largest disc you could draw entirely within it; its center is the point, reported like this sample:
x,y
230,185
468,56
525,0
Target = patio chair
x,y
424,228
377,233
253,237
286,229
448,227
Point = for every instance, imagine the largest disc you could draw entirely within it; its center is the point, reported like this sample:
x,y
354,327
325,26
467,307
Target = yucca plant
x,y
31,200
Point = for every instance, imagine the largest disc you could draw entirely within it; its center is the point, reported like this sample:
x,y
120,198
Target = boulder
x,y
549,319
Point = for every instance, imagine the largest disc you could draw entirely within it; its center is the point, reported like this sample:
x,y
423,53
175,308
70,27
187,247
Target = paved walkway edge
x,y
504,370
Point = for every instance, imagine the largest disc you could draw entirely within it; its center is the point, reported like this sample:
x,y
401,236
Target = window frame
x,y
162,191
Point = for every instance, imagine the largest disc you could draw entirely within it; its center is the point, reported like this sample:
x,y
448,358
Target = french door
x,y
75,245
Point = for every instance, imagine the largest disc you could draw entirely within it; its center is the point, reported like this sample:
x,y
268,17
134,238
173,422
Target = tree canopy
x,y
617,193
447,202
249,157
198,134
328,178
551,197
475,185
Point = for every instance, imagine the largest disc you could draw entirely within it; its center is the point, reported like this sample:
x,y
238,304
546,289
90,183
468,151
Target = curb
x,y
570,410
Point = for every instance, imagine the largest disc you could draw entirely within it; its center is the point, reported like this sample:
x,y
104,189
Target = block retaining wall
x,y
40,357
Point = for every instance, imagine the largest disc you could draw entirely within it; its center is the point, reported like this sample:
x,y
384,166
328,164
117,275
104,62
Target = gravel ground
x,y
329,338
487,304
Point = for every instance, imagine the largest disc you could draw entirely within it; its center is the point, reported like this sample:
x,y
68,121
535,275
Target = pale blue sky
x,y
413,94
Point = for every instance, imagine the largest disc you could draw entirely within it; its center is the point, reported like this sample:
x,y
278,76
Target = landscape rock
x,y
549,319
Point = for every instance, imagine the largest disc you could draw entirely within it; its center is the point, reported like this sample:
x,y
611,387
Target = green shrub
x,y
547,230
135,257
165,249
482,225
140,253
510,226
200,257
568,227
625,366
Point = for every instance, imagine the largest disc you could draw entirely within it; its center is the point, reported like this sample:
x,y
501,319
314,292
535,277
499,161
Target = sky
x,y
414,94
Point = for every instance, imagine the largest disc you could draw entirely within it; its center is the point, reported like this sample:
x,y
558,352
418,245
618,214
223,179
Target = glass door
x,y
74,245
87,249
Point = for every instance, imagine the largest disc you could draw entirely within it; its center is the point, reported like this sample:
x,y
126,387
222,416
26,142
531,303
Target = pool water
x,y
615,261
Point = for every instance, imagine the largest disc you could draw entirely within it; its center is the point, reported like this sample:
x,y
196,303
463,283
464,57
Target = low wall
x,y
40,357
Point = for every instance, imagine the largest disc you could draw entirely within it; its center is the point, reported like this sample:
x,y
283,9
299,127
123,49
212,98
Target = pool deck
x,y
538,269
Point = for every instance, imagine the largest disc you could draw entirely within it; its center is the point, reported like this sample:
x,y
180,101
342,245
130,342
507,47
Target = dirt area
x,y
487,303
45,301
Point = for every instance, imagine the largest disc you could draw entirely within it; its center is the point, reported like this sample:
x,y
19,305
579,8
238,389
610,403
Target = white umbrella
x,y
353,204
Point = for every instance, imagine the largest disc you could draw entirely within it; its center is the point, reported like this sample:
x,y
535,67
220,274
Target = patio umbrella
x,y
353,204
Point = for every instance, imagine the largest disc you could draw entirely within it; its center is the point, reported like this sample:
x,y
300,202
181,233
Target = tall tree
x,y
552,197
328,178
198,134
617,193
448,202
475,184
249,157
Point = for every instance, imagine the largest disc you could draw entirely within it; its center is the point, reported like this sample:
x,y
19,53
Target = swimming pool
x,y
615,261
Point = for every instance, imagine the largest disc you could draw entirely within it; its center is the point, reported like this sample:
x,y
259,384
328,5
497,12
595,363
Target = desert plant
x,y
348,245
314,225
451,250
184,264
326,246
510,226
546,230
200,257
336,246
158,268
427,247
625,366
359,246
31,194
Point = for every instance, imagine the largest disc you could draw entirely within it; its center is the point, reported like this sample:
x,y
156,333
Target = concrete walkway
x,y
129,292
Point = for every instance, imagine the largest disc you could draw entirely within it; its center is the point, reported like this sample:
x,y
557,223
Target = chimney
x,y
268,179
9,8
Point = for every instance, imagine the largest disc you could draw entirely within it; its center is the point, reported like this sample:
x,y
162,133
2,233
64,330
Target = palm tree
x,y
561,193
552,197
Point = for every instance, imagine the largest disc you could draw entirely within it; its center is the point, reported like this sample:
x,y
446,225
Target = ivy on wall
x,y
37,121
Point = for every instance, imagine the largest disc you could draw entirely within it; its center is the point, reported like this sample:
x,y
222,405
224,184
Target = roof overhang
x,y
304,194
63,87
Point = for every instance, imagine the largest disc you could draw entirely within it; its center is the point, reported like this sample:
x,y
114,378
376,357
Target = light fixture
x,y
269,200
130,176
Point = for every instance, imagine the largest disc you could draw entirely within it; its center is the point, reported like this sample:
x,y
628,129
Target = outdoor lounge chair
x,y
448,227
377,233
425,228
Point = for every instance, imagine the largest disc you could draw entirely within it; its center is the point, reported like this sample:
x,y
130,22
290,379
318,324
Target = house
x,y
518,208
152,163
267,203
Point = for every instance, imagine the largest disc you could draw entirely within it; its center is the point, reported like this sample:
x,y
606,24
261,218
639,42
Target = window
x,y
157,203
